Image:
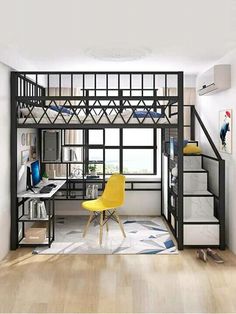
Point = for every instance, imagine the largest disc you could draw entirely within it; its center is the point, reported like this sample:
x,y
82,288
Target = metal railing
x,y
221,173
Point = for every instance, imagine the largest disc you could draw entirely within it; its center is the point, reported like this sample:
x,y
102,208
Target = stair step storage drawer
x,y
201,208
201,234
192,162
195,181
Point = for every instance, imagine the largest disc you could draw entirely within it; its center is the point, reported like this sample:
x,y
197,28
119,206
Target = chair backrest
x,y
115,190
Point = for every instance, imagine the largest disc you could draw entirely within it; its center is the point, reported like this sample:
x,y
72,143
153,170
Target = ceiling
x,y
114,35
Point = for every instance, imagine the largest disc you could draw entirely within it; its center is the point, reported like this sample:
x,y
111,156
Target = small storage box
x,y
36,234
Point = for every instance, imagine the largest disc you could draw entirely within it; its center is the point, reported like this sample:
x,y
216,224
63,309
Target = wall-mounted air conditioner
x,y
215,80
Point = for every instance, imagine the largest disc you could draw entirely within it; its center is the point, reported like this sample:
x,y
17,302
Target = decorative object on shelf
x,y
174,176
27,139
92,191
45,177
76,173
24,156
172,149
92,170
72,194
37,210
41,210
92,177
225,127
32,207
33,153
23,139
88,191
33,139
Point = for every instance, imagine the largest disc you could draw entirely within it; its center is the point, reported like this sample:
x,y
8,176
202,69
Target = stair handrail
x,y
207,134
221,177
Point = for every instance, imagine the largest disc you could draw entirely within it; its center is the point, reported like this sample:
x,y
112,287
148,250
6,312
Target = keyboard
x,y
46,189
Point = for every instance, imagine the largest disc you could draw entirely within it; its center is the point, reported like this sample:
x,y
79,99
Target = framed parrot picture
x,y
225,131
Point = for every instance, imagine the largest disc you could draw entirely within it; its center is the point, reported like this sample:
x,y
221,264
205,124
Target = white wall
x,y
137,203
4,160
209,107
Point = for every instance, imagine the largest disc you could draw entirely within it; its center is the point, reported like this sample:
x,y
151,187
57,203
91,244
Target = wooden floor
x,y
116,284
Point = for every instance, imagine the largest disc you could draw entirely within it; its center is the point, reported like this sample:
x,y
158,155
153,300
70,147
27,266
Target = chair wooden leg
x,y
88,223
106,222
120,224
101,227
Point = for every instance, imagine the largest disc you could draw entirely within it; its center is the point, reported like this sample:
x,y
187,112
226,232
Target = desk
x,y
30,194
24,196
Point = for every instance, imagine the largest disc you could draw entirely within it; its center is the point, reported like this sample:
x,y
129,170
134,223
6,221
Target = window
x,y
95,155
138,161
112,137
138,137
112,161
136,153
95,137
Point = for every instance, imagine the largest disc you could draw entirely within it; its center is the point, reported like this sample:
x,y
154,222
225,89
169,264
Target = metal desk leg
x,y
53,219
49,223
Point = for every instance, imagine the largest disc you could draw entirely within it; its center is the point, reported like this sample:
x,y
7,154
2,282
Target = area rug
x,y
144,235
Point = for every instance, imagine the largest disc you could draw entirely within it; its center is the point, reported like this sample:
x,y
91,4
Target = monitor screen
x,y
35,173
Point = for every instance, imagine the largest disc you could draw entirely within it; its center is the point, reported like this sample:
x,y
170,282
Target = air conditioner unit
x,y
215,80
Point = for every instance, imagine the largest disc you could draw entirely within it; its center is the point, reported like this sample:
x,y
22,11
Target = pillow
x,y
146,114
61,109
192,149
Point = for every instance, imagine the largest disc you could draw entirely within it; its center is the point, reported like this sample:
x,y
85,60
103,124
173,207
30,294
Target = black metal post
x,y
222,203
120,94
13,164
87,102
192,123
180,231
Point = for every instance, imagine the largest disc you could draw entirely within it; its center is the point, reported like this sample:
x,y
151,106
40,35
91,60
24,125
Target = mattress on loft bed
x,y
122,118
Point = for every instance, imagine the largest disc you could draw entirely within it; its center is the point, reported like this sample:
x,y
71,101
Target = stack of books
x,y
37,210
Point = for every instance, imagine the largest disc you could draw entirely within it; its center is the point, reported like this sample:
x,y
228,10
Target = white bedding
x,y
97,120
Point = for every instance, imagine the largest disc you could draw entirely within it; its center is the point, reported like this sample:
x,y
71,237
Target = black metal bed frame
x,y
95,103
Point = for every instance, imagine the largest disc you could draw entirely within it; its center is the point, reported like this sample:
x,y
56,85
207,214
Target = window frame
x,y
121,148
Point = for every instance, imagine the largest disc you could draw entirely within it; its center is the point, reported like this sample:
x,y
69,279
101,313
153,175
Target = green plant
x,y
45,175
92,168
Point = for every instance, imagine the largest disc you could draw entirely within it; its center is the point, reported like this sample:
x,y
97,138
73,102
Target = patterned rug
x,y
144,235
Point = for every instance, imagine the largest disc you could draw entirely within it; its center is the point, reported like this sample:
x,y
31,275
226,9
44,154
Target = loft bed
x,y
94,100
128,99
99,100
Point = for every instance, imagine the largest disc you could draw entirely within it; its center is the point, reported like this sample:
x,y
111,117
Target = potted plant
x,y
45,177
92,170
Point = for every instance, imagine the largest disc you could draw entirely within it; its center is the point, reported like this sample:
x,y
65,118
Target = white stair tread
x,y
200,219
204,192
194,170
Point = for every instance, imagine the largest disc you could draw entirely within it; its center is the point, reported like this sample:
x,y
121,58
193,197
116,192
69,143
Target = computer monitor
x,y
35,173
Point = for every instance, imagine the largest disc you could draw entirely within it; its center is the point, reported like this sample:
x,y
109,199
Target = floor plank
x,y
116,284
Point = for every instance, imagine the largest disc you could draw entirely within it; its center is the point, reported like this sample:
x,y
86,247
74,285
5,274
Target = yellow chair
x,y
112,197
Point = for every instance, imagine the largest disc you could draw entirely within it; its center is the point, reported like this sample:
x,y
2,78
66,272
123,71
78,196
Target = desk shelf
x,y
24,221
24,243
25,218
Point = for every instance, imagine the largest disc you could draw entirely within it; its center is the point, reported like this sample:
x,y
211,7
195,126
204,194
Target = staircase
x,y
193,189
200,226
